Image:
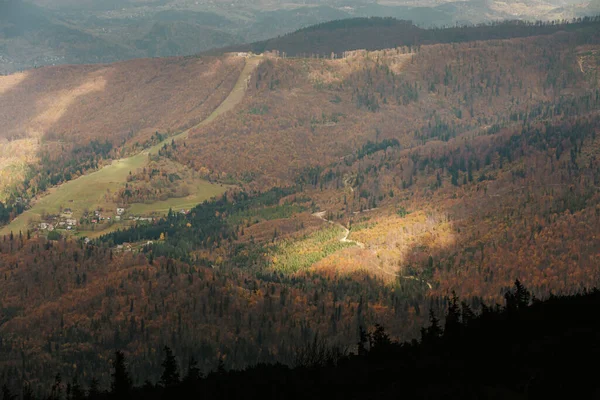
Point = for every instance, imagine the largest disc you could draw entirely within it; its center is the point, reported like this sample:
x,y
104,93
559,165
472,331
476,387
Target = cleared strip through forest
x,y
87,191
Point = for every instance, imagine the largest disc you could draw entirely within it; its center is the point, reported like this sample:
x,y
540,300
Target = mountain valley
x,y
268,195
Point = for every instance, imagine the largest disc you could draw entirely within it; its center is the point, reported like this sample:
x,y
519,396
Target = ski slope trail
x,y
88,191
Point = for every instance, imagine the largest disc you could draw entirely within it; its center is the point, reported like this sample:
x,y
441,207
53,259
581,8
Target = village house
x,y
120,211
124,247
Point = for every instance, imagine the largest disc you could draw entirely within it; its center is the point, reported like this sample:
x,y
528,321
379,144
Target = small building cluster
x,y
99,216
67,221
64,220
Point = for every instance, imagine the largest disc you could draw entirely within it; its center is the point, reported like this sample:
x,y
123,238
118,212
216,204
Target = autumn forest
x,y
348,195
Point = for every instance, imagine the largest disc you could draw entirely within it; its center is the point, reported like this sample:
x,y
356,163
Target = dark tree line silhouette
x,y
526,349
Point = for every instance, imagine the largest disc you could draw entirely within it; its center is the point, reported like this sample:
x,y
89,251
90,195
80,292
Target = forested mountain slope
x,y
364,189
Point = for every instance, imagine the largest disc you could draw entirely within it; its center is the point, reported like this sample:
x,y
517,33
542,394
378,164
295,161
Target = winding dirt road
x,y
344,239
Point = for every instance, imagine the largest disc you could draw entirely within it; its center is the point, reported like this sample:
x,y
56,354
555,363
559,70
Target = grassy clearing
x,y
201,191
294,256
93,234
84,193
89,192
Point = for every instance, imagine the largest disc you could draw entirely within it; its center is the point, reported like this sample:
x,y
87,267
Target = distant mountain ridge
x,y
375,33
83,32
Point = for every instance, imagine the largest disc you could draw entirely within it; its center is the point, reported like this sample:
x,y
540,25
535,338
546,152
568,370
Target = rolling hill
x,y
30,37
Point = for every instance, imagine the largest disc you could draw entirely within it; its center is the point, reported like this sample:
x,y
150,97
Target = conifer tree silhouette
x,y
76,392
193,372
7,394
518,298
28,392
94,391
170,375
121,384
57,388
431,334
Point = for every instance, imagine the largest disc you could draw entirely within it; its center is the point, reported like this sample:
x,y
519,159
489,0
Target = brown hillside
x,y
76,103
122,103
303,112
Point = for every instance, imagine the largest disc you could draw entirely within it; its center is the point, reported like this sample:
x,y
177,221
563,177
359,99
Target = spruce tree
x,y
121,384
94,391
193,372
170,375
6,393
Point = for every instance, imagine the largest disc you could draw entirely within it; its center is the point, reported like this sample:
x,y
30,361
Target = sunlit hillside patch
x,y
382,248
296,255
15,155
394,246
588,61
53,106
352,261
10,81
329,73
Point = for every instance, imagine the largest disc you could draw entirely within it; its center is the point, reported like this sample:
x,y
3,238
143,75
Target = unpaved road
x,y
344,239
